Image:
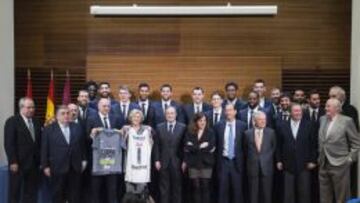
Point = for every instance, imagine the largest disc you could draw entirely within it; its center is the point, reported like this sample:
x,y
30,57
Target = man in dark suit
x,y
104,91
22,134
95,123
92,88
145,104
123,108
339,145
300,98
260,147
161,106
297,155
63,157
313,113
245,115
83,103
198,105
216,114
284,111
231,89
168,152
230,157
260,88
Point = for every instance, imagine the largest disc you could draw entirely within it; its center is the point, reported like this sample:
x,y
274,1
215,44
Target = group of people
x,y
283,149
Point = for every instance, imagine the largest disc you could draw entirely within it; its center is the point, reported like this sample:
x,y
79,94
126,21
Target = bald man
x,y
339,144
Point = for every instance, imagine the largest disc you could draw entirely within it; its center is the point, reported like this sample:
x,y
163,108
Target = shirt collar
x,y
102,116
218,110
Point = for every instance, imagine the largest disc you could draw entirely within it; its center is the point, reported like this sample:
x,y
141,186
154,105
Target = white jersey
x,y
138,155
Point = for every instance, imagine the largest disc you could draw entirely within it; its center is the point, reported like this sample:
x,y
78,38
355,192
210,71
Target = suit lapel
x,y
60,134
28,134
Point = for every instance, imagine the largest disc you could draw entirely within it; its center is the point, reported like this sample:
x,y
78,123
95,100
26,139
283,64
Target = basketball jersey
x,y
138,155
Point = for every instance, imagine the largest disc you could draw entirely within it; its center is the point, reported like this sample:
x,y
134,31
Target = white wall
x,y
355,62
6,68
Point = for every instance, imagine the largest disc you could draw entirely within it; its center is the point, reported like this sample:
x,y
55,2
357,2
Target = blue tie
x,y
230,142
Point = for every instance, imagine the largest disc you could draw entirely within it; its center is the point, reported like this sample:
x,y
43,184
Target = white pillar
x,y
355,63
6,68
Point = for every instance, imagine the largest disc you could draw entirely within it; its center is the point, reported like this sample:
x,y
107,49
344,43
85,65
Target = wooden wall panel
x,y
184,73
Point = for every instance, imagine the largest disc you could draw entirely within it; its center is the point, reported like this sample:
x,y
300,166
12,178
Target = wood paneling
x,y
184,73
308,34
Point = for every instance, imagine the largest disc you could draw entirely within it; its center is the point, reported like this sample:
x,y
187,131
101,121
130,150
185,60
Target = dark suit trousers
x,y
170,180
28,182
66,187
297,187
334,183
230,182
260,189
110,184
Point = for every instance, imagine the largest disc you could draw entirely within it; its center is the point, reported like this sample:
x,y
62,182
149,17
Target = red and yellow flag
x,y
29,84
50,103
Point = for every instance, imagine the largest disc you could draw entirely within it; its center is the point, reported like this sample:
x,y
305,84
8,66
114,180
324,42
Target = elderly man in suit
x,y
22,146
297,155
339,144
230,157
63,157
168,155
260,147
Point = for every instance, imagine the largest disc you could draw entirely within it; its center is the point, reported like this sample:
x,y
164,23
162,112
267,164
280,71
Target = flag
x,y
29,84
50,102
66,99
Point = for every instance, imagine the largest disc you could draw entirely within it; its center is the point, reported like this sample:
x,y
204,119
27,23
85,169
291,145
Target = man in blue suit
x,y
161,106
63,157
145,104
230,157
198,105
103,120
253,106
216,114
260,88
104,91
231,89
123,108
297,150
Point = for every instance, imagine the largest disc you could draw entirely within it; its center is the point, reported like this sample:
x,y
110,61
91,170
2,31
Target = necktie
x,y
250,125
66,134
124,111
165,107
83,112
106,126
143,109
313,116
31,128
230,142
197,109
258,140
170,130
216,119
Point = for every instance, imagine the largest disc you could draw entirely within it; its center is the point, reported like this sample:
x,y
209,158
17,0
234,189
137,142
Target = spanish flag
x,y
50,103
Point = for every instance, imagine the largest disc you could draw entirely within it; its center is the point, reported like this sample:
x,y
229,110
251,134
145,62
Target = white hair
x,y
257,114
336,103
22,101
134,112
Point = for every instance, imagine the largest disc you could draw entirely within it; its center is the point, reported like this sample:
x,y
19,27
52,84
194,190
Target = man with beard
x,y
300,98
260,88
91,87
231,89
145,104
104,91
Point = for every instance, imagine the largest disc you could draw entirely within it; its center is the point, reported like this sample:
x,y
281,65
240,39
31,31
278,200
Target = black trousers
x,y
26,181
260,188
230,182
109,184
297,187
170,180
66,187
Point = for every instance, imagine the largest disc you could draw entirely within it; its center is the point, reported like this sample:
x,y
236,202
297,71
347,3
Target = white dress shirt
x,y
294,127
107,119
198,106
66,132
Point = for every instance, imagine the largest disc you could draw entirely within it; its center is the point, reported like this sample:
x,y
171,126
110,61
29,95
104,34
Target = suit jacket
x,y
307,116
159,114
243,116
341,143
196,157
116,110
189,111
57,154
296,153
351,111
239,104
239,152
20,148
148,117
210,117
263,160
267,104
168,147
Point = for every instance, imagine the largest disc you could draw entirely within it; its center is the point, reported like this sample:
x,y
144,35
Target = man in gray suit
x,y
339,144
259,146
